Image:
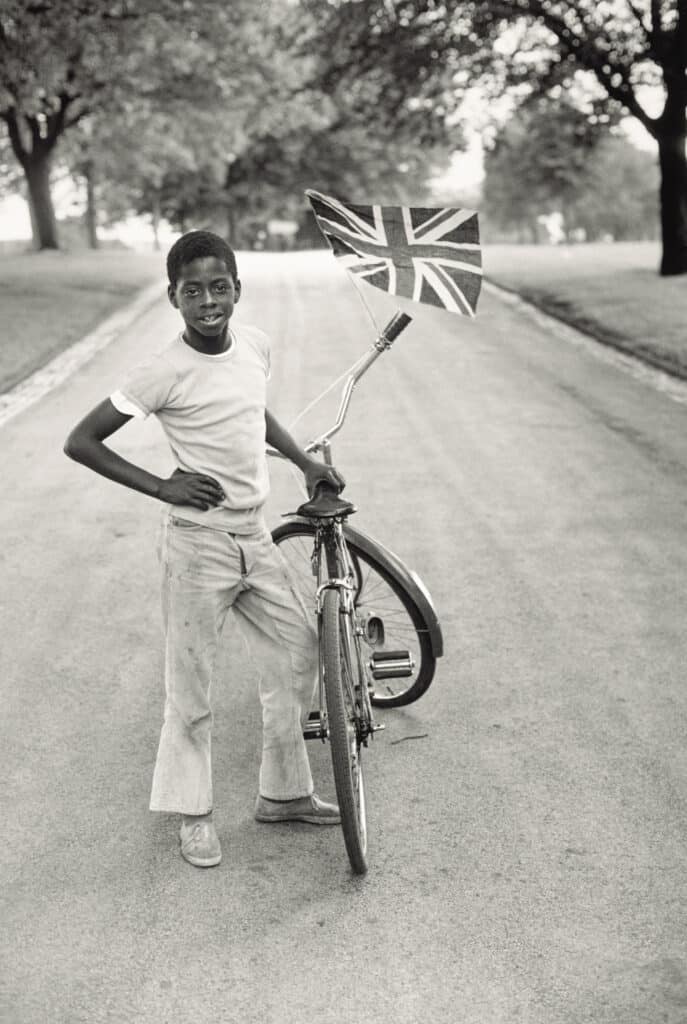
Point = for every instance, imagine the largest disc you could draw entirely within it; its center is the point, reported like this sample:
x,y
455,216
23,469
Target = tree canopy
x,y
624,46
610,51
195,108
64,61
330,92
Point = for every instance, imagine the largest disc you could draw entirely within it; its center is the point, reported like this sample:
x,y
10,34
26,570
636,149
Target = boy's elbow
x,y
68,447
73,447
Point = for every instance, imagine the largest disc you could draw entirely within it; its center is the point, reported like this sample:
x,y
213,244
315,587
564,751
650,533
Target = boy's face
x,y
205,295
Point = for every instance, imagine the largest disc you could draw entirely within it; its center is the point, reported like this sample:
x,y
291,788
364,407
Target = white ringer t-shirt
x,y
212,410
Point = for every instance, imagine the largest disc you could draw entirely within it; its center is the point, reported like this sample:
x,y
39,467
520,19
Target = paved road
x,y
528,855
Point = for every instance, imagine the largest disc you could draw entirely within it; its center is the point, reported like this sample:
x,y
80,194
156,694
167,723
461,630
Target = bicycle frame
x,y
330,536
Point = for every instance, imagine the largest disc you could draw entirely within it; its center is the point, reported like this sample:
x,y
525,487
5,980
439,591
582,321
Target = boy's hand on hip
x,y
316,471
193,489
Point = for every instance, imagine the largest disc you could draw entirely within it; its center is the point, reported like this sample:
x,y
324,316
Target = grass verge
x,y
611,291
50,300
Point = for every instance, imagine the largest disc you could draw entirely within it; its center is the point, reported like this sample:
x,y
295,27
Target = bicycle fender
x,y
408,578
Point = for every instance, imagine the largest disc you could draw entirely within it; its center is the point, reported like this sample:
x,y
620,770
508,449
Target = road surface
x,y
527,854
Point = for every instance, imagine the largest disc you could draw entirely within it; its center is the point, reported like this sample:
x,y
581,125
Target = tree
x,y
397,64
625,45
251,162
528,45
619,193
349,162
52,59
156,175
548,157
62,61
330,129
190,127
538,164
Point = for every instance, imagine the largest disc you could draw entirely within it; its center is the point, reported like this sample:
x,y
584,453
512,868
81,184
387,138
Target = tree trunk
x,y
155,218
34,225
33,140
91,211
673,163
37,171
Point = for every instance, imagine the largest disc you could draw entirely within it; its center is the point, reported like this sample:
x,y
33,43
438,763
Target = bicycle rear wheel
x,y
392,623
339,667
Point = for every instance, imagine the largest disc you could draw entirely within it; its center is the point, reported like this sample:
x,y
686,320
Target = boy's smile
x,y
205,295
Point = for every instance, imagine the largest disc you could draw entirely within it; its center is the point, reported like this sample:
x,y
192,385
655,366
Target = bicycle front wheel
x,y
391,622
338,668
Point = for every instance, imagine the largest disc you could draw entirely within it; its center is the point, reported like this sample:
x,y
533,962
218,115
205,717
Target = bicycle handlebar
x,y
398,323
387,337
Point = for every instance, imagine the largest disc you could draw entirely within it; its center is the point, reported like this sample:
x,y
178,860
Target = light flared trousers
x,y
205,573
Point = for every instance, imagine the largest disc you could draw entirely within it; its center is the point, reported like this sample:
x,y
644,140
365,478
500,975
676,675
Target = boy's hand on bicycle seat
x,y
193,489
318,472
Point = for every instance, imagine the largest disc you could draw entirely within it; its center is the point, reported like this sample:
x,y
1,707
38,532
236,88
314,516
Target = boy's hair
x,y
196,245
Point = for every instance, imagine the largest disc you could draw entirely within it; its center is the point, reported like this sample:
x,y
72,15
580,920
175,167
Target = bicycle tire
x,y
343,739
403,622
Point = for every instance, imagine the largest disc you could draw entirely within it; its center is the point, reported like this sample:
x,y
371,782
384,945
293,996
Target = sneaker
x,y
306,808
199,844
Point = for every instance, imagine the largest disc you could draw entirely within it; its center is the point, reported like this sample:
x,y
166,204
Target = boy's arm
x,y
85,445
278,437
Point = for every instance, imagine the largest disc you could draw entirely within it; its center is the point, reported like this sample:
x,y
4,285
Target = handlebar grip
x,y
398,323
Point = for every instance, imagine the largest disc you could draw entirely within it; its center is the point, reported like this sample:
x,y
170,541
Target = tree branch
x,y
56,121
588,56
10,119
656,19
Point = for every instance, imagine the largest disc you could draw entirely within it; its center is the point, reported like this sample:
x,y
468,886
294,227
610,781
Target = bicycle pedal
x,y
391,664
315,728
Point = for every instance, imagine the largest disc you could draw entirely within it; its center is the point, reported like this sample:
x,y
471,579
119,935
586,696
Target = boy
x,y
208,391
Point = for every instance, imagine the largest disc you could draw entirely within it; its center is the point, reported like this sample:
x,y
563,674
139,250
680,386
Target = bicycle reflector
x,y
391,664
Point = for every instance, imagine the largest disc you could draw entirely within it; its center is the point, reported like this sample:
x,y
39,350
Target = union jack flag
x,y
428,255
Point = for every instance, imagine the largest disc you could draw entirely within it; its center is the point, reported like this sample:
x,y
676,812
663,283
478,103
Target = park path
x,y
527,855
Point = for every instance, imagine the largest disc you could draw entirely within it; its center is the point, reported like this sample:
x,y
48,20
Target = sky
x,y
14,218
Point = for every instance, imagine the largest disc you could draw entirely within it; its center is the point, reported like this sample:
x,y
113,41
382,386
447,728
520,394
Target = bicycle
x,y
376,622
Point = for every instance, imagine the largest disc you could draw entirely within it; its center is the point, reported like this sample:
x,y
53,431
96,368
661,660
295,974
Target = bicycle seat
x,y
325,504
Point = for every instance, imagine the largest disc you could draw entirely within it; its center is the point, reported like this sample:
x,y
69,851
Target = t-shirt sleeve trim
x,y
148,387
126,406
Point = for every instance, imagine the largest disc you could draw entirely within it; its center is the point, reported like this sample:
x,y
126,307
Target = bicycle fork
x,y
359,693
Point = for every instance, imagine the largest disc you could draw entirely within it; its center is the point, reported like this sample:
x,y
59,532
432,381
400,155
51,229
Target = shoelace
x,y
199,832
